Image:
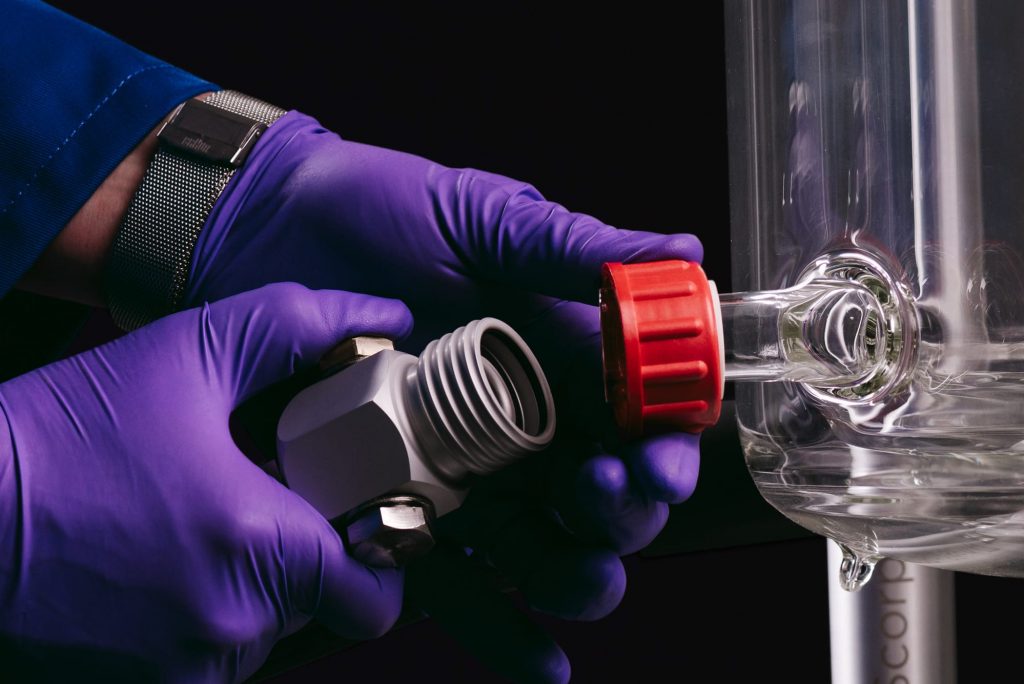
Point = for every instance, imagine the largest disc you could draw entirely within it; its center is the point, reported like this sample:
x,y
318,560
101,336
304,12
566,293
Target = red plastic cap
x,y
661,347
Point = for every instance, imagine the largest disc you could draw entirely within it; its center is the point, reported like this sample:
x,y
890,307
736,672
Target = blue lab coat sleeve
x,y
74,101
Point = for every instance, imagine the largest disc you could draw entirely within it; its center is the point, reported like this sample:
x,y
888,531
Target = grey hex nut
x,y
346,440
390,531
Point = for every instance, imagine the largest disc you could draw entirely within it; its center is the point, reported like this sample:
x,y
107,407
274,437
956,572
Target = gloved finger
x,y
509,232
555,573
260,337
665,466
523,539
567,341
323,581
594,493
604,505
451,588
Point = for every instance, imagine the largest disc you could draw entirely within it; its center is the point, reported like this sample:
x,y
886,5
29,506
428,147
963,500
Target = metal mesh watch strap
x,y
150,258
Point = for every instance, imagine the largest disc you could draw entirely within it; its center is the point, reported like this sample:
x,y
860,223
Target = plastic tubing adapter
x,y
390,441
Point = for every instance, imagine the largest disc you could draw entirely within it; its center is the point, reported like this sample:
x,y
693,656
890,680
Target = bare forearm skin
x,y
72,267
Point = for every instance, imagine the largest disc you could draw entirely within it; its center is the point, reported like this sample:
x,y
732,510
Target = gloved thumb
x,y
351,599
527,242
257,338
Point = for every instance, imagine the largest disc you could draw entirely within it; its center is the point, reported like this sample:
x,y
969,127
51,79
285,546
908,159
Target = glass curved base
x,y
956,510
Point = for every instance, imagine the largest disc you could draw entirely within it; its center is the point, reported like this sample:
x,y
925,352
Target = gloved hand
x,y
456,245
137,543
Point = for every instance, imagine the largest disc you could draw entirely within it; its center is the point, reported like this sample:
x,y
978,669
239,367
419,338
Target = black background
x,y
619,113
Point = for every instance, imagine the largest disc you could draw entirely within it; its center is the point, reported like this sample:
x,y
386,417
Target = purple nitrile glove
x,y
455,245
137,543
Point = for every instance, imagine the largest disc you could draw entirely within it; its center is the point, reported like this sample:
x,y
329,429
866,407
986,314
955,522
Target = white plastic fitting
x,y
473,402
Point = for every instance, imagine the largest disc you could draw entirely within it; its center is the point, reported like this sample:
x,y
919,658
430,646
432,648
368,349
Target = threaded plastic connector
x,y
484,396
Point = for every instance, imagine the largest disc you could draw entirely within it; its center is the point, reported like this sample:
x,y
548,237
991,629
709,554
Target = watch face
x,y
211,133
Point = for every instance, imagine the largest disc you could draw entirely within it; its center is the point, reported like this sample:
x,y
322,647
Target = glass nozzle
x,y
824,332
669,341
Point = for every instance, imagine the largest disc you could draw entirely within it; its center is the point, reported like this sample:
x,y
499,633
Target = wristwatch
x,y
201,145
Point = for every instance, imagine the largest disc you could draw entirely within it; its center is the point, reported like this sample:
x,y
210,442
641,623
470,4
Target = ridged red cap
x,y
660,341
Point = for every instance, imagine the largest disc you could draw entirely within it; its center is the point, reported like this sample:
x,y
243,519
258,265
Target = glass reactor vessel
x,y
879,143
